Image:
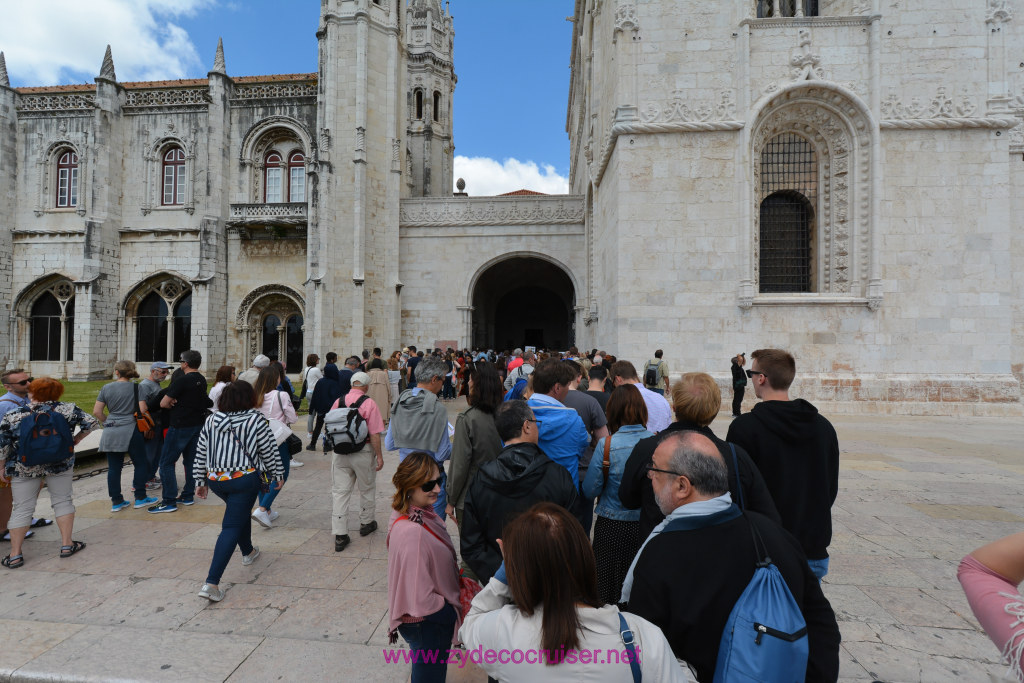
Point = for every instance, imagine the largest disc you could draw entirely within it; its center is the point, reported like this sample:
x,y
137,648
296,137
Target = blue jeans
x,y
442,497
179,441
267,498
657,391
153,448
115,463
819,568
236,528
431,637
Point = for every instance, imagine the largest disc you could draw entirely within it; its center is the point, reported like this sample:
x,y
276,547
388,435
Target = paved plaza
x,y
915,495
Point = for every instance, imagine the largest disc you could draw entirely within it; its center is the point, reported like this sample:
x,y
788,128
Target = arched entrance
x,y
270,320
523,301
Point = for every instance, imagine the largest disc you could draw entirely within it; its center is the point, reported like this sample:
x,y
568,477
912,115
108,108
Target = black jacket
x,y
326,391
797,451
635,490
687,582
520,476
739,377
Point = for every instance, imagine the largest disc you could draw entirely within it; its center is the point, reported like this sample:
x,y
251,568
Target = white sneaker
x,y
262,518
297,463
274,514
211,593
251,557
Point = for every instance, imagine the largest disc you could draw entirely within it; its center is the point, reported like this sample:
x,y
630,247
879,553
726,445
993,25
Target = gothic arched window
x,y
789,184
419,104
174,177
163,323
273,179
67,178
437,106
297,177
47,326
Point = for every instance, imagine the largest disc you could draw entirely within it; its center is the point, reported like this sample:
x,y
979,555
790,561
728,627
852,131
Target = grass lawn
x,y
83,394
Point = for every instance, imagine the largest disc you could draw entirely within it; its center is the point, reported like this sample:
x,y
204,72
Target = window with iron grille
x,y
788,191
786,8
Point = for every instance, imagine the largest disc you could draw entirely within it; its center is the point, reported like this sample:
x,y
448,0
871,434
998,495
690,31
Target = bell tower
x,y
430,146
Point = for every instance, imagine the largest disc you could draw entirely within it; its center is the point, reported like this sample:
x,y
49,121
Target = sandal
x,y
41,523
69,550
13,562
7,534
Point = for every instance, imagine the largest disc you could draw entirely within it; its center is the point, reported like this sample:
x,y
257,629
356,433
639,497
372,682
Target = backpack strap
x,y
739,485
606,462
703,521
628,639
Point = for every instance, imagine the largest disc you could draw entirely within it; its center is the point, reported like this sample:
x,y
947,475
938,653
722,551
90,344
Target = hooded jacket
x,y
563,436
520,476
418,420
326,391
797,452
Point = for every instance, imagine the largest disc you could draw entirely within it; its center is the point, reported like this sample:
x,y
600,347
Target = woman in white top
x,y
544,620
310,376
225,376
275,405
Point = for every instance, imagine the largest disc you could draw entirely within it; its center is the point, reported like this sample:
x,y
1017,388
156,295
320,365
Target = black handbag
x,y
294,444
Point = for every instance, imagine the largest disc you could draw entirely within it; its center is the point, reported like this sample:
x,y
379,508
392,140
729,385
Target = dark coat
x,y
326,391
687,582
520,476
797,451
636,492
739,377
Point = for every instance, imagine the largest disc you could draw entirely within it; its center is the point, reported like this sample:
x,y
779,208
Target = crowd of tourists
x,y
597,510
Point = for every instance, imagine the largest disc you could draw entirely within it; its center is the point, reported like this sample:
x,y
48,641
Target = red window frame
x,y
174,177
67,179
272,162
297,162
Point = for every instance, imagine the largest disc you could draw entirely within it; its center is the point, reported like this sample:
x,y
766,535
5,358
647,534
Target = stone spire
x,y
218,59
107,70
4,80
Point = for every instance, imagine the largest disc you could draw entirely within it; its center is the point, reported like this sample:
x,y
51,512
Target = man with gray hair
x,y
520,371
694,566
250,375
419,421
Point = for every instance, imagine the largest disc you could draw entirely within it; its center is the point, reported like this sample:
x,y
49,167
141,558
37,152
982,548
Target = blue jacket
x,y
563,436
608,505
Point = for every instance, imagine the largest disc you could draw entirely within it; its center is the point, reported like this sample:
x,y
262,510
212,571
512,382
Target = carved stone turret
x,y
107,69
218,59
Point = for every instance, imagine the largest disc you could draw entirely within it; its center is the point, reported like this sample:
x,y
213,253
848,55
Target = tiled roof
x,y
183,83
521,193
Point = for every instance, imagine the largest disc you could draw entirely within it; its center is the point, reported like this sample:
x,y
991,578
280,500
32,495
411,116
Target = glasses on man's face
x,y
751,373
651,468
22,383
428,486
539,422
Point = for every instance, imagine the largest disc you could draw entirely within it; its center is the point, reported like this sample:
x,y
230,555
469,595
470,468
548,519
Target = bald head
x,y
688,468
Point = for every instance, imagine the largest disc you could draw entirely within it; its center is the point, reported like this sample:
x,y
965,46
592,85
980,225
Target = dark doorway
x,y
523,301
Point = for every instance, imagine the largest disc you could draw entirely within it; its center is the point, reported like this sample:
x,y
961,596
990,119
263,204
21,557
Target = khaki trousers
x,y
347,471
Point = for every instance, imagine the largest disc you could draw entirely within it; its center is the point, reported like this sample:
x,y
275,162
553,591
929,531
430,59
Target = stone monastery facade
x,y
841,178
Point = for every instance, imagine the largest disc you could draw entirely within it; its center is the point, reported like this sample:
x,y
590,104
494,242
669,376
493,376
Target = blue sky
x,y
511,59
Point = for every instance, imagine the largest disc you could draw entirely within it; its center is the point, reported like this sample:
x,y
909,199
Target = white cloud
x,y
53,42
485,176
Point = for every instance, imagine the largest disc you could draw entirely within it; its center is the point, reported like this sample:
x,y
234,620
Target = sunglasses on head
x,y
428,486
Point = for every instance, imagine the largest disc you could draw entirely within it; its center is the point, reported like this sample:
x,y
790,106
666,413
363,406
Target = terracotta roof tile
x,y
182,83
522,193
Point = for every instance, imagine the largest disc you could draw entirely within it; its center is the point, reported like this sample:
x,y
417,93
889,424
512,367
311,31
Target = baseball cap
x,y
361,378
260,361
160,365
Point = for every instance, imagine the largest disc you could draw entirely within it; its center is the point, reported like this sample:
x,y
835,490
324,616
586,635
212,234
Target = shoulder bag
x,y
144,421
606,463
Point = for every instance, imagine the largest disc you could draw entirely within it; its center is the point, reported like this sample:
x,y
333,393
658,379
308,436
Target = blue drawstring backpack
x,y
516,392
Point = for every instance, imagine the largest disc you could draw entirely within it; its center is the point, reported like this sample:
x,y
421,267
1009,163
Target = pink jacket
x,y
277,406
422,572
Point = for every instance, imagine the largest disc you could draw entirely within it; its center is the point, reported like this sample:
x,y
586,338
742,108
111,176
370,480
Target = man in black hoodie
x,y
520,476
796,450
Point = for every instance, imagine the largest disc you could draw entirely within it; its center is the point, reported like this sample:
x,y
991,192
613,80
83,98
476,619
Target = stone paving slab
x,y
915,495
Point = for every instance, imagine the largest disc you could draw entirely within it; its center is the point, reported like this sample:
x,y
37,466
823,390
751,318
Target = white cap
x,y
360,378
260,361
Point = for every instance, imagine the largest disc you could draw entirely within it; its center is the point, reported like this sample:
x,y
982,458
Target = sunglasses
x,y
751,373
428,486
21,383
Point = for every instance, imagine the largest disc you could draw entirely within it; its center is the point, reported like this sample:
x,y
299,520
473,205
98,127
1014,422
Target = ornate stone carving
x,y
107,68
491,211
626,19
840,135
218,59
678,110
178,99
247,305
269,91
70,101
998,11
805,62
156,146
940,112
277,214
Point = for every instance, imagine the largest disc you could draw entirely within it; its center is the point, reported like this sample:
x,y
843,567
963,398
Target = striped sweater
x,y
236,441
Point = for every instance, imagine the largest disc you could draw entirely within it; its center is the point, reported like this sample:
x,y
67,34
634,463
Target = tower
x,y
430,37
352,294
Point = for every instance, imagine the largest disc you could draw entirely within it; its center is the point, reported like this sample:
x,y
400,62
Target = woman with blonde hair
x,y
423,577
44,405
121,435
543,601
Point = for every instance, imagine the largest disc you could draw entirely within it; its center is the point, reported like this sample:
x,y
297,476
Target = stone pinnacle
x,y
218,59
107,70
3,72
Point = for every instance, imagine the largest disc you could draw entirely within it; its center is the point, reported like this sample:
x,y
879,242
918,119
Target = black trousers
x,y
737,399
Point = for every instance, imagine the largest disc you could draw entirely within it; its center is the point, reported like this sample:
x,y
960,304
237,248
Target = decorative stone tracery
x,y
157,145
46,169
273,299
840,132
